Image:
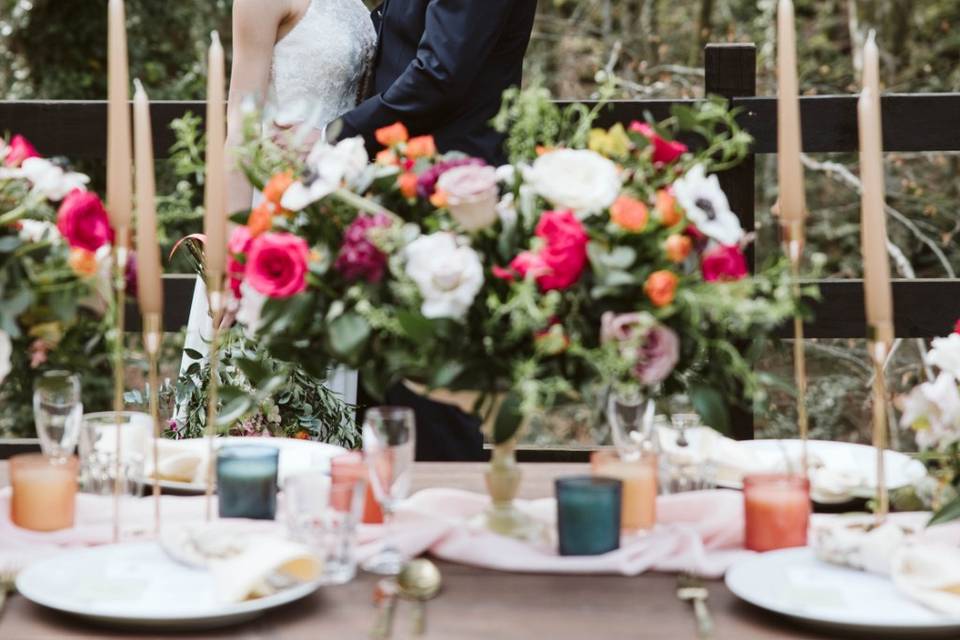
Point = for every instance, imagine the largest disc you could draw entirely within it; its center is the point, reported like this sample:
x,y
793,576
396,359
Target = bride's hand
x,y
293,138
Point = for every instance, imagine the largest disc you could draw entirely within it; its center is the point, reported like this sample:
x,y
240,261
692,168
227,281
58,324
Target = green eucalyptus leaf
x,y
948,513
509,419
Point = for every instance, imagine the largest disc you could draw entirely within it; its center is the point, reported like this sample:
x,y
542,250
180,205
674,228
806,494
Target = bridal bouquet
x,y
932,411
55,242
597,257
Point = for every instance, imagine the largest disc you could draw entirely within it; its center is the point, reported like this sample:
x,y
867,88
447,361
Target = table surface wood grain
x,y
475,604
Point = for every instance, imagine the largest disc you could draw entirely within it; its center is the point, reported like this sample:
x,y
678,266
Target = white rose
x,y
331,167
51,181
447,272
707,206
6,350
580,180
38,231
945,355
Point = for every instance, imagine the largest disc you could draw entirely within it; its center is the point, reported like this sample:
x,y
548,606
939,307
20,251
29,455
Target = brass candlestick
x,y
121,256
793,243
215,293
152,339
880,340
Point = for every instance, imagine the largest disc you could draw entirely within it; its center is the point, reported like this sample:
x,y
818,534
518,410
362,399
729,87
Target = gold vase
x,y
503,482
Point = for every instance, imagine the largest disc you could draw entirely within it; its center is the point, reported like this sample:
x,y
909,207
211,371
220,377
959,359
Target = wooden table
x,y
475,604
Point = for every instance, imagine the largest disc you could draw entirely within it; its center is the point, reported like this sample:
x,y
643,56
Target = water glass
x,y
57,413
98,452
247,481
588,515
389,443
632,421
323,513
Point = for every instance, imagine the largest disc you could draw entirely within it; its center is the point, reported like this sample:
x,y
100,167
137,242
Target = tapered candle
x,y
149,282
876,266
790,169
215,218
119,176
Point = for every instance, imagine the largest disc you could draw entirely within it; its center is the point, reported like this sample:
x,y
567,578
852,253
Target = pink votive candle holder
x,y
44,491
777,509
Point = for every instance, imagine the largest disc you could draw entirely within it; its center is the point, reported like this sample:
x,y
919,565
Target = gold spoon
x,y
419,581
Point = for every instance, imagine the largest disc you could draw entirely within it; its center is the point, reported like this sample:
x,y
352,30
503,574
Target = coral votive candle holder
x,y
639,477
588,515
247,481
350,467
777,509
44,491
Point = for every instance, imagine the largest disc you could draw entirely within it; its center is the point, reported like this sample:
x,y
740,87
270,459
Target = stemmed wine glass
x,y
389,436
57,413
632,417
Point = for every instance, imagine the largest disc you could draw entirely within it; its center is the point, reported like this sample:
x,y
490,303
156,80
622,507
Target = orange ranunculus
x,y
439,199
277,186
630,214
678,247
661,287
392,135
261,218
421,147
408,185
83,262
387,158
667,209
543,150
302,435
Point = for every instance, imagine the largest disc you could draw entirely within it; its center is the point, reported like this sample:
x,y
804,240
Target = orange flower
x,y
392,135
667,209
302,435
678,247
421,147
408,185
542,150
388,157
261,218
439,199
630,214
277,186
83,262
661,287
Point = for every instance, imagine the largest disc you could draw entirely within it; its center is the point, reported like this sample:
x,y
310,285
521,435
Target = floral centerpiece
x,y
597,258
932,411
55,243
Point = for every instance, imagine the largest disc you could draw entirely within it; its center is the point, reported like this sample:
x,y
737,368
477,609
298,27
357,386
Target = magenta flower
x,y
19,150
83,221
359,258
277,265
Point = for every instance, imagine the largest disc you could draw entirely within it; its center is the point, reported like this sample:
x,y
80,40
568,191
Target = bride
x,y
304,61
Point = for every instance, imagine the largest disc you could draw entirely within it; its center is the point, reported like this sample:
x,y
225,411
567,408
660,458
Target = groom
x,y
441,69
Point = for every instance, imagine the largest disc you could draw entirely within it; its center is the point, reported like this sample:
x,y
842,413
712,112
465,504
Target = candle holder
x,y
121,258
247,481
776,510
794,239
152,340
215,283
880,341
588,515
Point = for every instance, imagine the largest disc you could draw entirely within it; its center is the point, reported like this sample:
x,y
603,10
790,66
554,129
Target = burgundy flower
x,y
427,182
359,258
724,264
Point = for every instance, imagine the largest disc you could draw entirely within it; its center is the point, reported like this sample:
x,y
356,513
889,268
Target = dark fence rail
x,y
911,123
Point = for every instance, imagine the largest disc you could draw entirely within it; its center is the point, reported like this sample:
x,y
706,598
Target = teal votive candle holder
x,y
588,515
247,481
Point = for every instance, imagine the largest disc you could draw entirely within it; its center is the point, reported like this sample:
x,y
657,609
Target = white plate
x,y
138,585
794,583
295,456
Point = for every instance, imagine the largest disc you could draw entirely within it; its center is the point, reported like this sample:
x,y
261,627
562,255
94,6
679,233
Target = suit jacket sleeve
x,y
458,38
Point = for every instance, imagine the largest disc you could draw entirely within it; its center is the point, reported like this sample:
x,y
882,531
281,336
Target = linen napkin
x,y
929,573
180,461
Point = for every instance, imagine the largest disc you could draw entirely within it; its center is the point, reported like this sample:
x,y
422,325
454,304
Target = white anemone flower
x,y
447,272
51,181
707,207
331,167
932,410
38,230
945,355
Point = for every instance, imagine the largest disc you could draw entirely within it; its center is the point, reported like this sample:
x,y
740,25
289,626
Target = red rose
x,y
724,264
561,261
956,327
83,221
664,151
19,150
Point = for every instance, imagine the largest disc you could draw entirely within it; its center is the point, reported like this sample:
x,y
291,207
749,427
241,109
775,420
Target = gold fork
x,y
8,584
690,589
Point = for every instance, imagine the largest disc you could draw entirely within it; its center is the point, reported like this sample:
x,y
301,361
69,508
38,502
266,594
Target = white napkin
x,y
929,573
854,541
180,461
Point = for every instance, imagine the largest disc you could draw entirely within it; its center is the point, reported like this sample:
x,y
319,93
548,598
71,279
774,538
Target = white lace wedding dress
x,y
317,75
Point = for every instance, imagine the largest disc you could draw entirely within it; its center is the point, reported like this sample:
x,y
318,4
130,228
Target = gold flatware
x,y
420,580
385,598
8,584
690,589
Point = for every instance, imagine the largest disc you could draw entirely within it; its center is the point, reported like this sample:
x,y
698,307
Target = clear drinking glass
x,y
389,441
323,514
632,420
57,413
98,452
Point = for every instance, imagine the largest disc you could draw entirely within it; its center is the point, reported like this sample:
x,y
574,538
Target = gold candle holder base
x,y
216,298
152,341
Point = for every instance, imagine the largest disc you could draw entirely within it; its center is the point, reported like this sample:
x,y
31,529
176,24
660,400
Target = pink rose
x,y
277,264
238,245
724,264
664,151
83,221
19,150
655,347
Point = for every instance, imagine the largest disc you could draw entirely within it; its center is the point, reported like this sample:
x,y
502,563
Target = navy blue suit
x,y
441,68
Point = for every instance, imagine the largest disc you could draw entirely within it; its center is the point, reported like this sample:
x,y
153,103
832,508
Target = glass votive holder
x,y
777,510
588,515
638,510
247,481
44,491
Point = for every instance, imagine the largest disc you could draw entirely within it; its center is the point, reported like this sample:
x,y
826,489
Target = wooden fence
x,y
911,123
